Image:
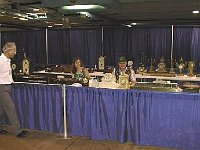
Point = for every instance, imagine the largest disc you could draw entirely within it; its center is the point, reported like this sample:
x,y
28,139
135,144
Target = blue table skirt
x,y
39,106
143,117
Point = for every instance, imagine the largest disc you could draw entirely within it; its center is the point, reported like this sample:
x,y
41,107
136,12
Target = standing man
x,y
122,69
6,104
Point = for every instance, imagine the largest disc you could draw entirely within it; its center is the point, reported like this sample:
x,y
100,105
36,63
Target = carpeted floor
x,y
37,140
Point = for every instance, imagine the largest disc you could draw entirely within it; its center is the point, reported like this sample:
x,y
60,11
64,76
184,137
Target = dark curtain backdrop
x,y
160,44
59,47
30,42
187,44
134,43
116,44
182,42
86,43
137,43
195,46
64,45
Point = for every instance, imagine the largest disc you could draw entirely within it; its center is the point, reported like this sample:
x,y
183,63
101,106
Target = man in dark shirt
x,y
122,69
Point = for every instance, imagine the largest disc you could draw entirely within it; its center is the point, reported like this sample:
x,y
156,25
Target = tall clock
x,y
101,63
26,66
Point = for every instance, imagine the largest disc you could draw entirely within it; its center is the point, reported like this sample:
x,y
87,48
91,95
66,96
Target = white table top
x,y
177,78
138,76
62,73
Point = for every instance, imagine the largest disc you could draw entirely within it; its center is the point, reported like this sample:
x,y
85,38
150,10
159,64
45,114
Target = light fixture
x,y
82,7
134,23
42,15
58,24
195,12
128,25
86,14
24,19
36,9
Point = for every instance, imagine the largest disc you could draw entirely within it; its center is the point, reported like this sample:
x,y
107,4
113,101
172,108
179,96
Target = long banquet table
x,y
143,117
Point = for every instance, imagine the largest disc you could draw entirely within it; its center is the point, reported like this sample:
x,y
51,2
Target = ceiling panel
x,y
117,13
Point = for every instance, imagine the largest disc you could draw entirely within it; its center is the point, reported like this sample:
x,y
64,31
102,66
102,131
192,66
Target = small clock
x,y
107,77
124,81
14,66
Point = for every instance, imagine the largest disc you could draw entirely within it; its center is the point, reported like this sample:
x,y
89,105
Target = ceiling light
x,y
24,19
36,9
32,15
134,23
87,14
195,12
50,26
58,24
28,17
82,7
42,15
49,22
18,14
128,25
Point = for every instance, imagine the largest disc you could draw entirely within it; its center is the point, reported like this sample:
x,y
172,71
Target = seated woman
x,y
78,72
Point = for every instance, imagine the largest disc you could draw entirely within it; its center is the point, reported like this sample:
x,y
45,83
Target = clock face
x,y
14,66
26,63
101,59
123,81
108,77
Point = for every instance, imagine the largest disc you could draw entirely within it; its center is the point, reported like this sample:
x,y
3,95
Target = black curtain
x,y
59,47
86,44
64,45
30,42
135,43
182,42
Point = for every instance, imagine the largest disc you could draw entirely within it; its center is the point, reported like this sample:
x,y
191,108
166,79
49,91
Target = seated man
x,y
122,69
